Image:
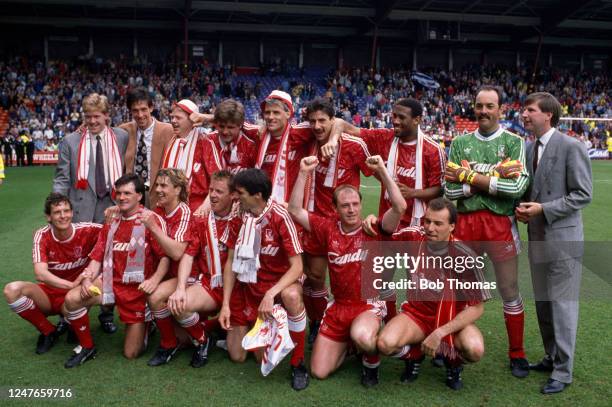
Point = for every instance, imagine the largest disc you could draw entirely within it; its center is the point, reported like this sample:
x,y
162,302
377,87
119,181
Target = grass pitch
x,y
112,380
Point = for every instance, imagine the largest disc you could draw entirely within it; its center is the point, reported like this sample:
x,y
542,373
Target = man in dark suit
x,y
90,161
147,140
561,186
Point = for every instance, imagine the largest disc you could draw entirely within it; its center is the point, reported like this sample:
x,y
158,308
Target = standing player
x,y
486,205
171,188
350,317
59,254
268,265
427,324
191,152
343,168
126,254
207,254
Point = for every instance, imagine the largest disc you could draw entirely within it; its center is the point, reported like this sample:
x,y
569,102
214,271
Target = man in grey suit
x,y
90,161
562,185
79,174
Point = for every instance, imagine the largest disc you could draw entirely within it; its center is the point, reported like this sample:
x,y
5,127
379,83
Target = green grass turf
x,y
112,380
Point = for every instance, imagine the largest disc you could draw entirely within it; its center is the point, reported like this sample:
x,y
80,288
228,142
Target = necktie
x,y
536,154
100,178
141,168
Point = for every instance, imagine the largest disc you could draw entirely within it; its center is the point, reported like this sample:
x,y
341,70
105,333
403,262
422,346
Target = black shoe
x,y
314,331
299,377
545,365
553,386
162,356
519,367
200,355
107,323
412,369
453,377
80,357
62,326
438,361
369,376
46,342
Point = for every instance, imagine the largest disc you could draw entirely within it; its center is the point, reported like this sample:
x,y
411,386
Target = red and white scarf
x,y
418,207
134,267
213,257
279,180
180,153
113,157
331,177
248,244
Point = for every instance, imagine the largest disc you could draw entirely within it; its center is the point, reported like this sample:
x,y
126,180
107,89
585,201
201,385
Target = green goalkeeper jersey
x,y
484,154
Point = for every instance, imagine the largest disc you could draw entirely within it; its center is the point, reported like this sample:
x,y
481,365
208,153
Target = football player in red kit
x,y
350,316
60,253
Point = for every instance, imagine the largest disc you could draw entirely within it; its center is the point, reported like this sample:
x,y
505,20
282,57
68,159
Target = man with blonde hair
x,y
90,161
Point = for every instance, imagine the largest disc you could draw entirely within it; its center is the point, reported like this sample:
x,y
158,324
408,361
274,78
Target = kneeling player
x,y
59,254
268,265
207,253
126,253
350,316
431,323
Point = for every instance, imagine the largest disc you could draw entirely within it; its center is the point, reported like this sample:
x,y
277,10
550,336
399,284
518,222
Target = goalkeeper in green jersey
x,y
486,175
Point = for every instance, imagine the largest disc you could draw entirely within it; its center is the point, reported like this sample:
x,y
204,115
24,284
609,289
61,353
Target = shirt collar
x,y
545,138
148,129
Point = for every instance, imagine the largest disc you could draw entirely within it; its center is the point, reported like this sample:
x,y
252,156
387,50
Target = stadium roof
x,y
566,22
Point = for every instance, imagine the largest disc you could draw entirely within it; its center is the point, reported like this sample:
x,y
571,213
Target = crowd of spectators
x,y
44,101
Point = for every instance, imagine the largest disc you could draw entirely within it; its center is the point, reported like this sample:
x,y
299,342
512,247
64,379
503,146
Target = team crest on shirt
x,y
269,235
78,251
501,151
51,253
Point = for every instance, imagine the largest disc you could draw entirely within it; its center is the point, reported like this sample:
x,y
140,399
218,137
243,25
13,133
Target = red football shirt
x,y
206,161
227,230
379,143
345,254
245,154
279,241
298,146
66,259
178,227
351,161
121,246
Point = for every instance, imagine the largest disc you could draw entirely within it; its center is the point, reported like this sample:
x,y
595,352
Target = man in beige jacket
x,y
147,139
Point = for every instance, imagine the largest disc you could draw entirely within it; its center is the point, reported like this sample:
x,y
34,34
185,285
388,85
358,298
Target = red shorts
x,y
337,320
486,232
215,293
130,302
56,297
425,320
245,303
312,246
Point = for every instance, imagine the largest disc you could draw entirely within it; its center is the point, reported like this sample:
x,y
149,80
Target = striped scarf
x,y
331,177
180,152
280,186
248,244
113,157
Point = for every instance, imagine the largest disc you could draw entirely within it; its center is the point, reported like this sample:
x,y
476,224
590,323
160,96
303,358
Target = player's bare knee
x,y
291,296
318,373
156,301
130,353
237,356
474,351
385,344
365,339
72,301
12,291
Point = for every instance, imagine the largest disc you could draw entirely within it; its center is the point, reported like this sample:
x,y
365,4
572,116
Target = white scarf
x,y
180,153
134,266
331,177
213,258
279,180
114,158
418,207
248,244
